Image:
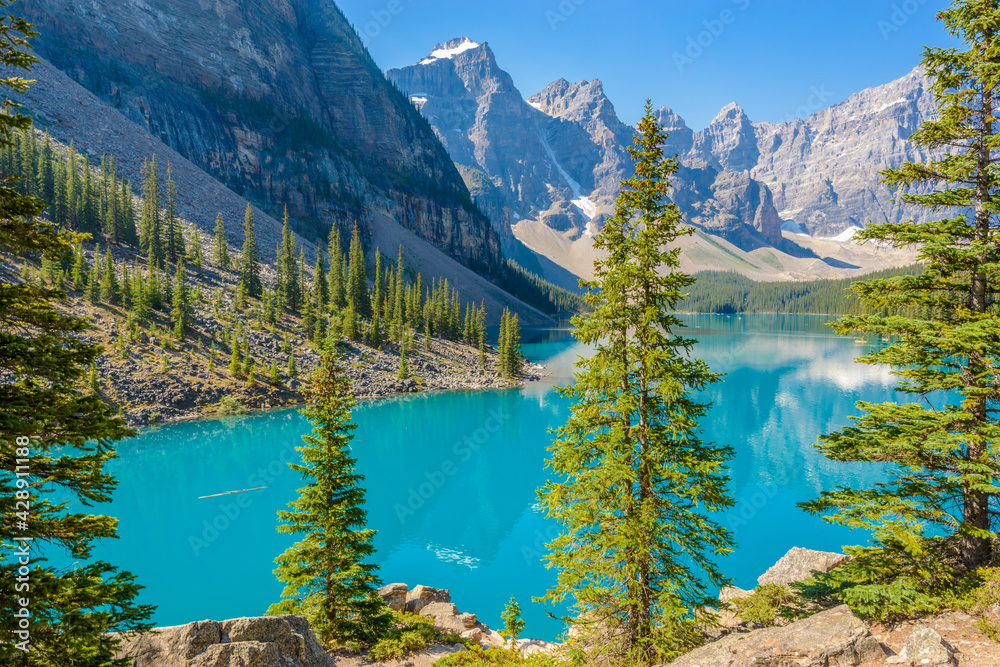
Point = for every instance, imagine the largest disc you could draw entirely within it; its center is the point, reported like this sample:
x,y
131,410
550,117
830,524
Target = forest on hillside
x,y
725,293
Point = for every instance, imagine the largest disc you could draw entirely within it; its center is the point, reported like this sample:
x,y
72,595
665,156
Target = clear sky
x,y
776,58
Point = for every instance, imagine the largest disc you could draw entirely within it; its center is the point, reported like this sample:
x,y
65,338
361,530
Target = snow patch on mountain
x,y
586,206
901,100
846,235
437,54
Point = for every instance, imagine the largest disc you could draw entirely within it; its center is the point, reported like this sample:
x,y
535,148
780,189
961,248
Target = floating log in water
x,y
227,493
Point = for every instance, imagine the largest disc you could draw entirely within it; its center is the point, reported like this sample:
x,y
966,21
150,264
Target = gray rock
x,y
830,638
799,564
421,596
732,593
394,595
925,648
445,616
474,634
267,641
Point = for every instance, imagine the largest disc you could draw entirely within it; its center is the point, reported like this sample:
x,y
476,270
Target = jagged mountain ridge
x,y
823,170
559,156
738,179
278,100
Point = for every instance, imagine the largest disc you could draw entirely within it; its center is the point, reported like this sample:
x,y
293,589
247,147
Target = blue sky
x,y
776,58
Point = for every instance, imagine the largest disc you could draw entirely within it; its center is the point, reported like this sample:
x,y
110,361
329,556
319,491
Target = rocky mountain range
x,y
280,102
549,165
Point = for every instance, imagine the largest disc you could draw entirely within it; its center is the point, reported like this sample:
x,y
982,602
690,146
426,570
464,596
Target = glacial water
x,y
451,477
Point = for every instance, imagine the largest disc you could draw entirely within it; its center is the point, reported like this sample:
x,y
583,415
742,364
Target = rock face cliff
x,y
559,156
823,170
278,100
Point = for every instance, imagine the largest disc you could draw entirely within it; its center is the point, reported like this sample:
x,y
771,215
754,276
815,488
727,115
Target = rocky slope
x,y
70,112
279,101
558,157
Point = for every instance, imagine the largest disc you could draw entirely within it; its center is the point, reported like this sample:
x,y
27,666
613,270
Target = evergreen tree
x,y
126,288
89,220
128,232
91,293
150,226
249,260
174,235
375,337
320,290
335,279
182,312
141,307
46,173
511,350
288,269
80,269
60,200
58,437
292,371
196,253
326,574
936,511
72,189
502,344
235,367
399,298
635,482
220,250
357,279
404,368
308,320
302,284
481,333
378,289
350,324
110,291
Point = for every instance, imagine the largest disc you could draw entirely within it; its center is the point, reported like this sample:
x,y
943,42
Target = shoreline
x,y
537,374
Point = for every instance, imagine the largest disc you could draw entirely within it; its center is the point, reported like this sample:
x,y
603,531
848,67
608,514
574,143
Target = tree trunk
x,y
976,550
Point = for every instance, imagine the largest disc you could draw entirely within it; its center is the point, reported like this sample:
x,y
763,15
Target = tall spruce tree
x,y
327,573
173,234
636,484
934,518
502,344
57,437
289,288
357,278
182,312
110,289
151,224
319,291
335,279
220,249
250,259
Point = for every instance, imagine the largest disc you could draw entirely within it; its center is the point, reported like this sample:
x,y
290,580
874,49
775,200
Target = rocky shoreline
x,y
832,637
149,390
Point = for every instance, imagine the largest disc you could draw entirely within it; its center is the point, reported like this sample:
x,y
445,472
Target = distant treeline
x,y
540,293
724,292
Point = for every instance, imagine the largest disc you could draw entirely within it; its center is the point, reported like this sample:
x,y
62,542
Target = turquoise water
x,y
451,477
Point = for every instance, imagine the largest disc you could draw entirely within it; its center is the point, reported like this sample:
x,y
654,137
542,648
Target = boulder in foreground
x,y
799,564
262,641
832,637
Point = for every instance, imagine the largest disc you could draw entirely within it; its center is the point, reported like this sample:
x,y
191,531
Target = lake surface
x,y
451,477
